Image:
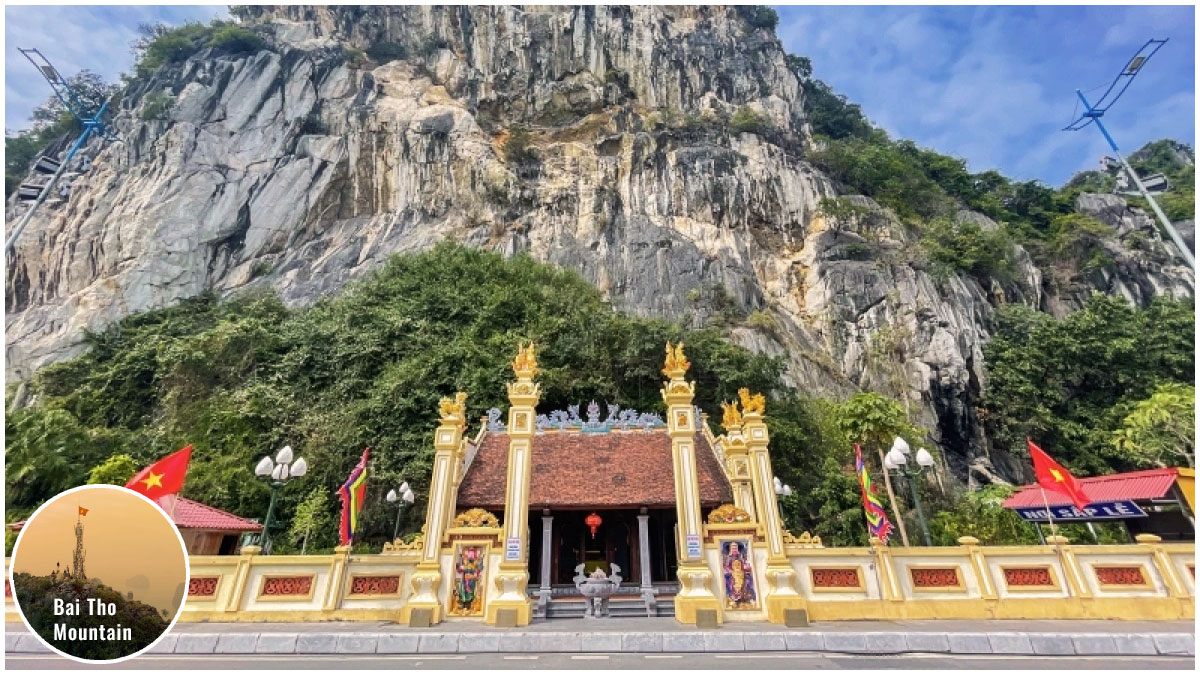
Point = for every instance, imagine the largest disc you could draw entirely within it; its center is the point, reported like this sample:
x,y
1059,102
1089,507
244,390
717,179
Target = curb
x,y
1010,644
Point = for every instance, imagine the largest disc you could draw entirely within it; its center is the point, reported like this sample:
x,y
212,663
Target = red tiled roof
x,y
1132,486
192,515
581,470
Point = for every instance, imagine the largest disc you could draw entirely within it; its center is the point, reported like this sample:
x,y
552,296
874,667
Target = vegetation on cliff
x,y
239,379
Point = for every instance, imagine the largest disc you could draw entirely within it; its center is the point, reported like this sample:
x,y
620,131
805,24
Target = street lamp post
x,y
278,472
782,489
897,460
401,499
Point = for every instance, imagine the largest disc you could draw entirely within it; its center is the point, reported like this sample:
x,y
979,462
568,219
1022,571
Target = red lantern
x,y
593,521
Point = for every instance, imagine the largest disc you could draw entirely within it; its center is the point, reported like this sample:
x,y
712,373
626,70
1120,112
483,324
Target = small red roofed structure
x,y
206,530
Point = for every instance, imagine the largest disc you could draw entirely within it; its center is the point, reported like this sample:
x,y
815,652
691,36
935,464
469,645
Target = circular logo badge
x,y
99,573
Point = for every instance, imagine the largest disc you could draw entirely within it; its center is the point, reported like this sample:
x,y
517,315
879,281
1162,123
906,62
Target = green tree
x,y
1160,430
980,514
1069,383
116,470
313,521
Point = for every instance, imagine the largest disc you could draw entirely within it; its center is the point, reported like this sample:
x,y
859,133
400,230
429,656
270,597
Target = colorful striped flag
x,y
877,520
353,493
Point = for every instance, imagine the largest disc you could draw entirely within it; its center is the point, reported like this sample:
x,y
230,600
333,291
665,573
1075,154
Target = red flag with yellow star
x,y
164,477
1052,476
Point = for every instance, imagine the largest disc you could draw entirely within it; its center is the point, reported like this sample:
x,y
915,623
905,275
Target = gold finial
x,y
752,404
454,408
525,365
732,419
676,363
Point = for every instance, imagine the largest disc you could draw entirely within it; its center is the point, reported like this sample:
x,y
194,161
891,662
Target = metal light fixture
x,y
896,460
278,472
402,499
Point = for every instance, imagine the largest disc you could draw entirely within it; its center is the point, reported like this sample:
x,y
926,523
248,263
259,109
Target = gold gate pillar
x,y
447,443
513,576
781,576
695,576
737,462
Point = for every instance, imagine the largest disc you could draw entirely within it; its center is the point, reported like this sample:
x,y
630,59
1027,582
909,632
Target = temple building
x,y
520,509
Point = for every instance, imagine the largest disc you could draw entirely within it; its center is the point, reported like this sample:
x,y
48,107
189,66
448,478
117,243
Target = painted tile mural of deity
x,y
466,597
740,590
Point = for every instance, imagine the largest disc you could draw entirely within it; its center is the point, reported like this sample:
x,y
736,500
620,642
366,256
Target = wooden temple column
x,y
512,607
425,605
695,576
781,594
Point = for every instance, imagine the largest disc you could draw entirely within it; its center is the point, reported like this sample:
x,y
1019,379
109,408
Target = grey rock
x,y
230,195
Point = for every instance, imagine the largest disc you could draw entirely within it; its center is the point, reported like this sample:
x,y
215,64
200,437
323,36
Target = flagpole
x,y
1046,502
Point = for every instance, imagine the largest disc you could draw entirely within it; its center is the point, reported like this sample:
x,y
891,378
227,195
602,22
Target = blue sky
x,y
993,85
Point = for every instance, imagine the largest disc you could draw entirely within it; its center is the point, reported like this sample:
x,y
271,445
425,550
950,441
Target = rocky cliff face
x,y
303,166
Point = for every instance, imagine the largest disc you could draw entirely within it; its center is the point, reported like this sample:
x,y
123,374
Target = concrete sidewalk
x,y
1030,638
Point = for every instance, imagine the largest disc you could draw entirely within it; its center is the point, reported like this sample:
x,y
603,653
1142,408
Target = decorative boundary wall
x,y
1147,580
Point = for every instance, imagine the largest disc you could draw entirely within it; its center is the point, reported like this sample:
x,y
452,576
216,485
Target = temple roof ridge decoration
x,y
616,419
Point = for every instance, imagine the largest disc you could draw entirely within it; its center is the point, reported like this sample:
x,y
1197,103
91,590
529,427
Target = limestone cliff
x,y
594,138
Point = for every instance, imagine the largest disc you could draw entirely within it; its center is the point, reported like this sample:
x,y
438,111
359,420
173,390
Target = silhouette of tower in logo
x,y
77,565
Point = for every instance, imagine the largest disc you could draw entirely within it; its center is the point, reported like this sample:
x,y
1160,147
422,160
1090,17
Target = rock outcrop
x,y
600,139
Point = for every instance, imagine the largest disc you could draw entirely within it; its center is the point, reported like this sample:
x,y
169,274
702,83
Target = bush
x,y
156,105
235,39
745,120
161,44
386,52
967,247
759,16
313,125
356,58
517,146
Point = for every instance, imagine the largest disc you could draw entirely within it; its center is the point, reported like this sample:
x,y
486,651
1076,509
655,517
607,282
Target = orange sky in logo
x,y
130,545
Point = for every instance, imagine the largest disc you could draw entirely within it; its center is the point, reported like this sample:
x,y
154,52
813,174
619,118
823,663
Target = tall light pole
x,y
1093,113
401,499
897,460
278,472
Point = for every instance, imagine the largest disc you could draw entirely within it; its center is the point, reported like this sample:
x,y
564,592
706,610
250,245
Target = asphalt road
x,y
740,662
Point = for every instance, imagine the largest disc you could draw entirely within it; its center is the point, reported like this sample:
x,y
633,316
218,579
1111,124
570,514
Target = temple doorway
x,y
617,540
